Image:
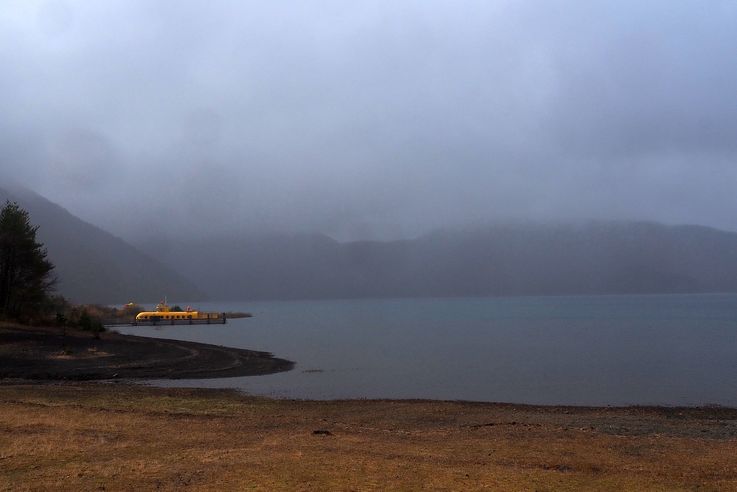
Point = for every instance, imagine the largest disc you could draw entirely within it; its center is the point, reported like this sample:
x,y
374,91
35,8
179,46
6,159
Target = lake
x,y
592,350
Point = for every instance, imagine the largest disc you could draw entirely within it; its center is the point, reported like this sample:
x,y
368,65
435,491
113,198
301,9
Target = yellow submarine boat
x,y
163,312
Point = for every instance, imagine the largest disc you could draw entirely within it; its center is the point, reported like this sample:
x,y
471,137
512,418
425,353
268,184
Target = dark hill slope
x,y
591,258
93,265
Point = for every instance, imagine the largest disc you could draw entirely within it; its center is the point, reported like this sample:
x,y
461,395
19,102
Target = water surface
x,y
593,350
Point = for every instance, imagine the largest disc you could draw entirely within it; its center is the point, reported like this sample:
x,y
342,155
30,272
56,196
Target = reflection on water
x,y
672,350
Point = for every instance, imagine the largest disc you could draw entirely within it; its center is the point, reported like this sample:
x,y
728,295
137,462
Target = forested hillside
x,y
93,265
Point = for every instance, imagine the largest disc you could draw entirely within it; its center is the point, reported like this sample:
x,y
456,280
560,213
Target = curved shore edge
x,y
49,354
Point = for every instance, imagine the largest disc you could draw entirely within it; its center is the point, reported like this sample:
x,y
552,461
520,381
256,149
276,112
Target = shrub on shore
x,y
85,318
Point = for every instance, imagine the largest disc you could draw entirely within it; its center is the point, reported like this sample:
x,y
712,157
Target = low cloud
x,y
373,119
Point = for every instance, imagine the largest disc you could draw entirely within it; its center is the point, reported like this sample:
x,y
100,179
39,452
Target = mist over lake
x,y
529,203
587,350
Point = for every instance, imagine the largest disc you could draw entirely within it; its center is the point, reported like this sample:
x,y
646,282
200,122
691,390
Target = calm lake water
x,y
600,350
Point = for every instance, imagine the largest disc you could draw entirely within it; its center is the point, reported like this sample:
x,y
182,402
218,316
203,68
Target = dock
x,y
219,320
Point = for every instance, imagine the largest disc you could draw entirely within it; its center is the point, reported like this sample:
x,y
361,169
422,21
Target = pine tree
x,y
25,273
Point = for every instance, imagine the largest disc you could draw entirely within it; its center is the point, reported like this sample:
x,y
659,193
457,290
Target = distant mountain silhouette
x,y
588,258
92,265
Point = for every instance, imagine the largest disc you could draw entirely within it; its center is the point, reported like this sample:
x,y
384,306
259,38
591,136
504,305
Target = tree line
x,y
26,277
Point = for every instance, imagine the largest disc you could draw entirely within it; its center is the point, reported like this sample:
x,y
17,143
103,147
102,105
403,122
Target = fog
x,y
372,119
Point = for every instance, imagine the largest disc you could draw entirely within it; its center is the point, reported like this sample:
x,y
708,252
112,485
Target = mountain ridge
x,y
581,258
93,265
593,257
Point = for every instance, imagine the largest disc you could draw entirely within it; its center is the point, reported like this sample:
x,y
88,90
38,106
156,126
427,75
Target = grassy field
x,y
120,437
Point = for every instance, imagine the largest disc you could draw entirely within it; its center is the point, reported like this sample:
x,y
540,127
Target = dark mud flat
x,y
47,353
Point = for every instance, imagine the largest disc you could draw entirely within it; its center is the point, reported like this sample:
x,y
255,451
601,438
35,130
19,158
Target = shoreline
x,y
43,353
709,412
63,429
38,355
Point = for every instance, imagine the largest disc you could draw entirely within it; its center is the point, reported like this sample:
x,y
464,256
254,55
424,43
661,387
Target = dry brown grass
x,y
117,437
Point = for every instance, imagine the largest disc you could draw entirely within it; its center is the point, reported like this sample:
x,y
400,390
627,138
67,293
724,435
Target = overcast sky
x,y
371,119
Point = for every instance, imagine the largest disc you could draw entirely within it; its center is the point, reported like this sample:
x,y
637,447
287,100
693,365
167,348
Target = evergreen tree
x,y
25,273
